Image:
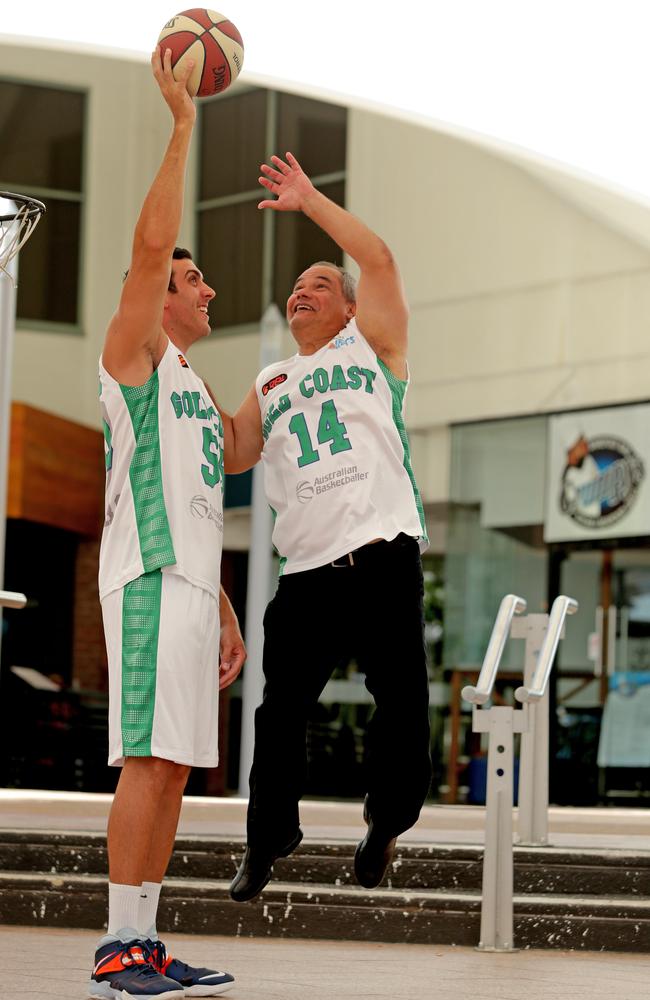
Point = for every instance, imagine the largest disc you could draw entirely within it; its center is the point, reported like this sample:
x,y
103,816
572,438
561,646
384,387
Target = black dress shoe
x,y
255,870
373,856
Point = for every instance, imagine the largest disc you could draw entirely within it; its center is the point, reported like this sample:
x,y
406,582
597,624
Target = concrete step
x,y
287,909
436,867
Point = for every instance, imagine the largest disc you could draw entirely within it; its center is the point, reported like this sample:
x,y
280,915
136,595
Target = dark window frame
x,y
254,195
47,195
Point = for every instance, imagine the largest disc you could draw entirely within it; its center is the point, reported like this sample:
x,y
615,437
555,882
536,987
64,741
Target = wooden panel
x,y
56,471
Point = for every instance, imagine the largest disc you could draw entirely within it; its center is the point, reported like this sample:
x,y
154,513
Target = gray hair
x,y
348,283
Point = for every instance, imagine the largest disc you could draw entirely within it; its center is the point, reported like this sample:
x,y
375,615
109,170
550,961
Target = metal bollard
x,y
500,723
533,773
542,634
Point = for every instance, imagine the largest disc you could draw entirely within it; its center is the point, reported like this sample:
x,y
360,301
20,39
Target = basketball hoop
x,y
16,227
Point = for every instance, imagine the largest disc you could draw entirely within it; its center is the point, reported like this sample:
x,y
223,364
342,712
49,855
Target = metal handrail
x,y
10,599
510,606
562,606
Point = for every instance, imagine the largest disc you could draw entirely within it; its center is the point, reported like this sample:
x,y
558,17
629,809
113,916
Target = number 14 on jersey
x,y
330,431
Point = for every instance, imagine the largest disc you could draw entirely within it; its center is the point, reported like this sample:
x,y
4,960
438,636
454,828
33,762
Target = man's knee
x,y
161,771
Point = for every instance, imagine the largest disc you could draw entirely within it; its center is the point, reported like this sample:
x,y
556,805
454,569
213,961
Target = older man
x,y
328,424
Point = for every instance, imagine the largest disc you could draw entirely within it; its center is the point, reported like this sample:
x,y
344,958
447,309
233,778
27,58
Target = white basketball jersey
x,y
164,477
337,468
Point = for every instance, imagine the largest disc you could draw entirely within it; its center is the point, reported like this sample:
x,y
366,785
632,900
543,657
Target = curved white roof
x,y
559,87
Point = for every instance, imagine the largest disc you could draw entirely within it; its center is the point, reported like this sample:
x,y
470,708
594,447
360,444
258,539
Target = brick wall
x,y
89,669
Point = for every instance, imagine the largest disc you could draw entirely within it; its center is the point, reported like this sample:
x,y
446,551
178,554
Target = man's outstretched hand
x,y
174,91
288,182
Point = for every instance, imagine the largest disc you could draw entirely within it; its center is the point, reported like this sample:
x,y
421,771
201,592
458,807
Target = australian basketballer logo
x,y
339,479
202,508
601,480
304,491
273,384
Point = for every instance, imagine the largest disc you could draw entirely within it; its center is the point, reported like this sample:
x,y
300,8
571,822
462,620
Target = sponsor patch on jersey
x,y
182,361
273,384
338,342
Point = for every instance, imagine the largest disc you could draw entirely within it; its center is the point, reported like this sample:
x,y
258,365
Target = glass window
x,y
230,241
314,132
241,253
495,540
299,243
49,265
41,132
232,146
41,154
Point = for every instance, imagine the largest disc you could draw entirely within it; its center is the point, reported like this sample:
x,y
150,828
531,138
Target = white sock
x,y
123,907
149,896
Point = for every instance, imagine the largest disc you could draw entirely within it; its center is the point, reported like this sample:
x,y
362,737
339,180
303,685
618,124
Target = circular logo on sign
x,y
304,491
600,481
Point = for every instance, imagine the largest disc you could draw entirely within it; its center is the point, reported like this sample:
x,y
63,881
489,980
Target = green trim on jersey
x,y
140,625
283,559
398,388
145,474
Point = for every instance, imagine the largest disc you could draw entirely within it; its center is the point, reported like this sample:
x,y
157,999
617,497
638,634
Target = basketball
x,y
214,44
304,491
199,506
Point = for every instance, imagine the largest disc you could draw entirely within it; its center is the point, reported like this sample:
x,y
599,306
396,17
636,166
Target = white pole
x,y
545,634
7,328
260,571
532,823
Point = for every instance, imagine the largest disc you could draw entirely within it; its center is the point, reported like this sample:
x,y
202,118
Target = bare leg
x,y
143,819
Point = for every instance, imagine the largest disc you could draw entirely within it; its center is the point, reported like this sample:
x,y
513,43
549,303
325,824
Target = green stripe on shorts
x,y
140,624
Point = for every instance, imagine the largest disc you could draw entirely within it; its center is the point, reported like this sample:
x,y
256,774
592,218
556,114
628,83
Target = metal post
x,y
533,779
260,572
500,723
7,328
533,771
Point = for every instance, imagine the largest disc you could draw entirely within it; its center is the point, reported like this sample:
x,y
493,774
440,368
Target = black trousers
x,y
317,620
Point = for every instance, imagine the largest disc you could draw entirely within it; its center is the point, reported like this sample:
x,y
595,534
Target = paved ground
x,y
616,829
48,964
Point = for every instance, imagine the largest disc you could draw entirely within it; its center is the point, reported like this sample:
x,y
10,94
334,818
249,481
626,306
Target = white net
x,y
19,217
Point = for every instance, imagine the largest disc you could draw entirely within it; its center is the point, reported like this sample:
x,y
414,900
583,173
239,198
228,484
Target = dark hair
x,y
178,253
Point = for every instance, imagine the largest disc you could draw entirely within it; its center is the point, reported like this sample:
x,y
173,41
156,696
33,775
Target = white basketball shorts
x,y
162,639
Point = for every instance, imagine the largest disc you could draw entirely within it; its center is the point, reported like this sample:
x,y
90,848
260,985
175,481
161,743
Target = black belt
x,y
346,560
349,558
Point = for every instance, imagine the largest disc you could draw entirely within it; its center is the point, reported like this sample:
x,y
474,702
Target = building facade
x,y
529,293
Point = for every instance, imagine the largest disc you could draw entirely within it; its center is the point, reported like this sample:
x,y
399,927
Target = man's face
x,y
317,304
186,309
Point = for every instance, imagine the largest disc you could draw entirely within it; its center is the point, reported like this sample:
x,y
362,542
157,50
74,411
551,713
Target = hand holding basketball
x,y
211,42
174,88
288,181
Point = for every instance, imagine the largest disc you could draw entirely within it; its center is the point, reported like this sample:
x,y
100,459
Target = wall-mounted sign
x,y
598,474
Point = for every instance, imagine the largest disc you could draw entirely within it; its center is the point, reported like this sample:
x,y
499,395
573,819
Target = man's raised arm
x,y
242,433
382,311
134,340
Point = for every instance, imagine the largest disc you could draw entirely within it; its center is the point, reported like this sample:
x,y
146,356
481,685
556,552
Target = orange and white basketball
x,y
212,41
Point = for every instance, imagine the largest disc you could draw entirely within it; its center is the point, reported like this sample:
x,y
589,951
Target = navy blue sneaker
x,y
195,982
124,971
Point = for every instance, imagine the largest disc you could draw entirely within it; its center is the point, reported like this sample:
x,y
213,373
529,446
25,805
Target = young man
x,y
348,519
171,634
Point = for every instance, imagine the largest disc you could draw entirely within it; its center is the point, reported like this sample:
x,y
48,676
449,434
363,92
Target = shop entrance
x,y
602,691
